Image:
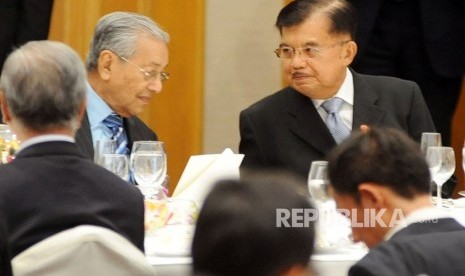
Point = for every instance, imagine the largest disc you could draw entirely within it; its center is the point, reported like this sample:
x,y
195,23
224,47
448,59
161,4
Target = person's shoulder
x,y
106,180
381,79
384,259
386,86
139,130
270,102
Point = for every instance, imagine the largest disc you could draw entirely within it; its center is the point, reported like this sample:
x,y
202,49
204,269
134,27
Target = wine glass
x,y
149,146
155,146
318,182
462,193
441,162
117,164
430,139
149,170
103,147
333,229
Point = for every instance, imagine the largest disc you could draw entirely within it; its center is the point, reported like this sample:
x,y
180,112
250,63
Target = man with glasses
x,y
325,99
126,62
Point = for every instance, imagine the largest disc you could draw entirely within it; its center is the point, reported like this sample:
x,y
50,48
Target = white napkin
x,y
202,171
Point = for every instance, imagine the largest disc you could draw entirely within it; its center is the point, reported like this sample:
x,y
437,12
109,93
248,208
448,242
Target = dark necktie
x,y
334,121
115,124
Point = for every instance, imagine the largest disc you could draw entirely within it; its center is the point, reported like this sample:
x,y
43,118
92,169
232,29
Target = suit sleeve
x,y
249,144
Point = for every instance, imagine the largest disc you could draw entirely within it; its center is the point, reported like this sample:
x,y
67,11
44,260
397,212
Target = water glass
x,y
117,164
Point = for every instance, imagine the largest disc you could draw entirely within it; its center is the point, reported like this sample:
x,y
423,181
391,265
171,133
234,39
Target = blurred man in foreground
x,y
238,231
50,186
381,180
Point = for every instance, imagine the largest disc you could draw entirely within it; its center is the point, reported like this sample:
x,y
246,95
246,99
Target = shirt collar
x,y
420,215
43,139
345,92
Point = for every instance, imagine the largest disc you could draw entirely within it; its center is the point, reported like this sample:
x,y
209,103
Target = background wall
x,y
240,66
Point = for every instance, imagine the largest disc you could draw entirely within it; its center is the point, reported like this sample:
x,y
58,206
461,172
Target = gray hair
x,y
118,32
44,85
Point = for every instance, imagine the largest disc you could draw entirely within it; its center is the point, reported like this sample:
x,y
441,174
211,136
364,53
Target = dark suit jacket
x,y
443,31
285,131
5,263
419,249
135,129
50,187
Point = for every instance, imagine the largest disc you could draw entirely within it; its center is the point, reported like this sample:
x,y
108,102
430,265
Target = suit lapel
x,y
84,138
307,123
366,112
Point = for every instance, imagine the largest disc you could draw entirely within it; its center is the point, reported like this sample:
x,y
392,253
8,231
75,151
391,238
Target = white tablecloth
x,y
329,263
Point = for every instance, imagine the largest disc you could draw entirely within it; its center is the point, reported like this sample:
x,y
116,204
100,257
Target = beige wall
x,y
240,66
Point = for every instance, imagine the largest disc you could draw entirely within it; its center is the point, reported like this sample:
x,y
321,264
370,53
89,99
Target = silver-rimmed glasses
x,y
307,52
149,75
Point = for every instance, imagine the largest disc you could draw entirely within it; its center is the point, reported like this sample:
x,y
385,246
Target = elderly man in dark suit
x,y
382,182
125,69
293,127
50,186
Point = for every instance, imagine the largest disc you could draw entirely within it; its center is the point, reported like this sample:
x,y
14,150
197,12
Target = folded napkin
x,y
202,172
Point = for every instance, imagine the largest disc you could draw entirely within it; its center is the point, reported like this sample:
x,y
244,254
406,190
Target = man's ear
x,y
106,60
6,116
371,196
82,110
349,52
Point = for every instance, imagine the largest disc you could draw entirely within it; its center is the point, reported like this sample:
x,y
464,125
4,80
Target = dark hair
x,y
386,157
340,12
237,234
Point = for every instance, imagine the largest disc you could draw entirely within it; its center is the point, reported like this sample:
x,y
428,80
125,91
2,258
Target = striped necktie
x,y
115,124
334,122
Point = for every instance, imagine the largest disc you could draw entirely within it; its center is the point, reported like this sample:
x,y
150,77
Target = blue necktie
x,y
334,121
115,124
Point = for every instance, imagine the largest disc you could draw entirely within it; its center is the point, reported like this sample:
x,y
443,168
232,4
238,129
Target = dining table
x,y
173,258
322,263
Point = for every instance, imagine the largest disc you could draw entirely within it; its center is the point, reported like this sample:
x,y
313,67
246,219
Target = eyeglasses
x,y
285,52
148,75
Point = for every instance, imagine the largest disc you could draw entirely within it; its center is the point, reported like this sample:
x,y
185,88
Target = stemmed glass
x,y
103,147
318,182
441,162
330,233
148,165
430,139
117,164
462,193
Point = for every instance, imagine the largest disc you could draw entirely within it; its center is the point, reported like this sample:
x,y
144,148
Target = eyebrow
x,y
153,64
311,44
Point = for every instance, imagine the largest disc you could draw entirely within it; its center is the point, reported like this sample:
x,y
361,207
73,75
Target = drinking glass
x,y
146,146
117,164
103,147
441,162
332,229
149,170
430,139
318,182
